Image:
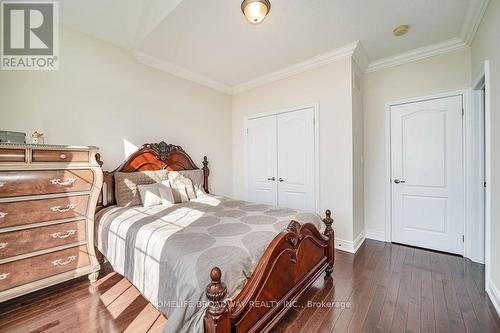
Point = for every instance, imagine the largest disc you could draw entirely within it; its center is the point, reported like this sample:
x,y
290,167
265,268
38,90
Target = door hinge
x,y
314,121
463,112
463,238
484,184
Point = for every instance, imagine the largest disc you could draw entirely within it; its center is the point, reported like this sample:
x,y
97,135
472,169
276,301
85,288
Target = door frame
x,y
464,93
483,81
315,107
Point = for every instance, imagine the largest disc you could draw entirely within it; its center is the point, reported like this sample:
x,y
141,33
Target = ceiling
x,y
211,41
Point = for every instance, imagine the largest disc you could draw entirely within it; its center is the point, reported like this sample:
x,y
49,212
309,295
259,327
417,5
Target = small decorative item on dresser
x,y
37,138
48,196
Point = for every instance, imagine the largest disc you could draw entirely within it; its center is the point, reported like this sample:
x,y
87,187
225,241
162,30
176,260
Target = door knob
x,y
272,179
281,180
397,181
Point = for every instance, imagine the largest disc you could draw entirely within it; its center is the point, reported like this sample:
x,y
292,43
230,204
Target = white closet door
x,y
427,174
262,160
296,159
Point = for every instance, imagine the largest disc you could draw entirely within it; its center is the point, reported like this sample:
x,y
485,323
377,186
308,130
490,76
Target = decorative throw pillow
x,y
126,193
196,177
182,187
166,193
150,194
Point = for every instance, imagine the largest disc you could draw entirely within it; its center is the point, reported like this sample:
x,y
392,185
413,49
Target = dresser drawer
x,y
30,240
24,271
60,156
12,155
19,183
34,211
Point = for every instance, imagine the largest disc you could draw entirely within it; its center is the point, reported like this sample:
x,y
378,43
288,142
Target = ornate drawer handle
x,y
2,215
62,236
60,262
67,209
3,245
3,276
57,181
2,184
63,156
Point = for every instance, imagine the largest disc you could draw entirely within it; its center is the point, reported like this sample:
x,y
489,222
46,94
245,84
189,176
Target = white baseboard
x,y
348,246
344,245
494,294
375,235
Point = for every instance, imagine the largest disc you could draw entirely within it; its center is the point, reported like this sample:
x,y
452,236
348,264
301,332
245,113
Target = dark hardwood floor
x,y
384,287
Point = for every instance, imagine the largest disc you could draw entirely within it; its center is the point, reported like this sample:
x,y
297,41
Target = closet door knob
x,y
281,180
272,179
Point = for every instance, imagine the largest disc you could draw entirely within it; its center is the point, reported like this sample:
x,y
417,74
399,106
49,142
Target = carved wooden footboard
x,y
291,263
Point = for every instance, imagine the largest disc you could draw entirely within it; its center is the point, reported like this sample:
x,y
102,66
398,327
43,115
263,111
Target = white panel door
x,y
427,174
296,159
262,160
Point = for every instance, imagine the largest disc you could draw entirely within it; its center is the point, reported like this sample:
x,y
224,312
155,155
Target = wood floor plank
x,y
367,296
358,265
361,295
56,302
383,287
440,310
158,325
479,301
375,310
315,294
427,314
402,302
415,301
16,310
341,293
144,320
454,314
466,309
389,307
333,299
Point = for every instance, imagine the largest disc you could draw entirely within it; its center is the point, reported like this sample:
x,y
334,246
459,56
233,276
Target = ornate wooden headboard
x,y
150,157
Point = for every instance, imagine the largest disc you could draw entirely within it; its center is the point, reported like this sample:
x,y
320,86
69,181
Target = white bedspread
x,y
168,252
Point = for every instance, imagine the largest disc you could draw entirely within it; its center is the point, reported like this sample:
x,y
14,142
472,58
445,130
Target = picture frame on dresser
x,y
48,197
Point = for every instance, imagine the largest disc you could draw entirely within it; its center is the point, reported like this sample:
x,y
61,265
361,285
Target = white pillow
x,y
150,194
166,193
182,187
196,177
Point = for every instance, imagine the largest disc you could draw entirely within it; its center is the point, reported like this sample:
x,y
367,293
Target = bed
x,y
212,264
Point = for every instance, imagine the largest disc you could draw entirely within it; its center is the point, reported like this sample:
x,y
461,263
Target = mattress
x,y
167,252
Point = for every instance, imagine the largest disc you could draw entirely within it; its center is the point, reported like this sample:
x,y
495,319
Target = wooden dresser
x,y
48,196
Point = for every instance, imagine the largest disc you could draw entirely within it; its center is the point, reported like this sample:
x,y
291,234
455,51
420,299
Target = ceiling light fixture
x,y
255,10
401,30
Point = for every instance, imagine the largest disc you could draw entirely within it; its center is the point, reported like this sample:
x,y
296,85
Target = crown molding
x,y
181,72
360,57
323,59
317,61
450,45
473,18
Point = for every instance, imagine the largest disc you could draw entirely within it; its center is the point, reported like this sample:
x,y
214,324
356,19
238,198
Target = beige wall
x,y
486,46
329,85
430,76
357,157
101,96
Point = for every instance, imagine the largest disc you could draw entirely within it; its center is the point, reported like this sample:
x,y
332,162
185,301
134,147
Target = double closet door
x,y
281,159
